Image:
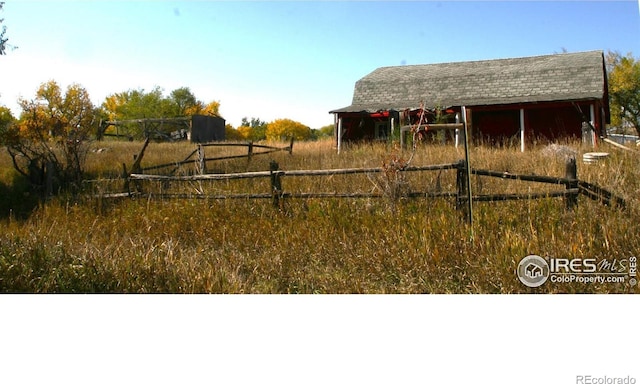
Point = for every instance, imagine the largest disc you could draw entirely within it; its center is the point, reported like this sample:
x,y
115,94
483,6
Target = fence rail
x,y
202,159
572,186
308,172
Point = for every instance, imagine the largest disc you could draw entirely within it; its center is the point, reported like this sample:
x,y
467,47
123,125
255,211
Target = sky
x,y
285,59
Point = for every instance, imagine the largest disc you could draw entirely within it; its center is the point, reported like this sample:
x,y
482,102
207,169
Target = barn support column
x,y
335,128
457,131
521,129
603,122
592,118
339,133
391,130
463,110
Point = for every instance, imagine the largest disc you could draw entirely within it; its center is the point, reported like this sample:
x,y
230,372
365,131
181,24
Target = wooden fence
x,y
202,159
570,187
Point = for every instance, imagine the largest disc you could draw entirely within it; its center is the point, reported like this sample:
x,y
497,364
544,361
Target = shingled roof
x,y
566,76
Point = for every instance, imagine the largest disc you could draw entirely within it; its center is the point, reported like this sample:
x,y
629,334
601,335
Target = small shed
x,y
207,128
539,98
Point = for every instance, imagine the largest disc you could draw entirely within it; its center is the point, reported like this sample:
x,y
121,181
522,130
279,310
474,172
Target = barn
x,y
505,101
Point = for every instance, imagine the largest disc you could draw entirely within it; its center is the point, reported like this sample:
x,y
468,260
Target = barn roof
x,y
566,76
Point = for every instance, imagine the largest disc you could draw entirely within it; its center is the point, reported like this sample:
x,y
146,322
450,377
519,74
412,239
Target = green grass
x,y
86,244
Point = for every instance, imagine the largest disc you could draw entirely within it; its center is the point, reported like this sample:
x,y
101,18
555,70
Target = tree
x,y
232,134
6,118
186,104
624,89
322,133
211,109
3,30
184,100
138,104
51,136
254,129
283,129
6,121
245,132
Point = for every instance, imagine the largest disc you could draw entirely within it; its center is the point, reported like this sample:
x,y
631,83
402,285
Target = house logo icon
x,y
533,271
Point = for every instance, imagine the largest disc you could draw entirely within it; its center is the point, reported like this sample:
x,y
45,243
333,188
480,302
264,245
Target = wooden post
x,y
276,184
391,130
468,170
457,131
521,129
201,160
250,149
461,187
339,133
291,146
125,176
592,120
571,173
100,131
135,168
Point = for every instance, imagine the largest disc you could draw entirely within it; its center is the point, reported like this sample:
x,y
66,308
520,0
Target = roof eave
x,y
468,103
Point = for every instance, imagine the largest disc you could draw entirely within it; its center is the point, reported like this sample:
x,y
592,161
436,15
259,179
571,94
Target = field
x,y
389,244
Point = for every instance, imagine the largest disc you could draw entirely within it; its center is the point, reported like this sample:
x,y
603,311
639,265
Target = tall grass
x,y
377,245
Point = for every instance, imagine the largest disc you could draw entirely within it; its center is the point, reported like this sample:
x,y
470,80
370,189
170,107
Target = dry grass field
x,y
329,245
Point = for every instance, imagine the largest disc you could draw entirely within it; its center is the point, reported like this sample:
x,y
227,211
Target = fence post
x,y
571,173
290,149
125,176
461,187
201,160
250,150
276,184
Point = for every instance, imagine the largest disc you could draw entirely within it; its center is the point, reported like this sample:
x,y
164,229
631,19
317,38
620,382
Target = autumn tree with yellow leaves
x,y
283,129
624,89
185,104
51,136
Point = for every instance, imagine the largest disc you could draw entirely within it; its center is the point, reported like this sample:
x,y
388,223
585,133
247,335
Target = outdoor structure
x,y
197,128
518,100
205,129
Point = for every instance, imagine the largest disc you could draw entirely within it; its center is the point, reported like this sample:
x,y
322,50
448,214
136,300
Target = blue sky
x,y
296,59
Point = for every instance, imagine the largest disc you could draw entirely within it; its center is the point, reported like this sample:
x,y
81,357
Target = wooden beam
x,y
468,169
512,176
595,192
435,127
592,120
617,145
529,196
301,172
136,164
339,134
522,135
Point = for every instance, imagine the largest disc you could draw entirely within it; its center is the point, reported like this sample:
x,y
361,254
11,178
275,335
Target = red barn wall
x,y
497,124
542,122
